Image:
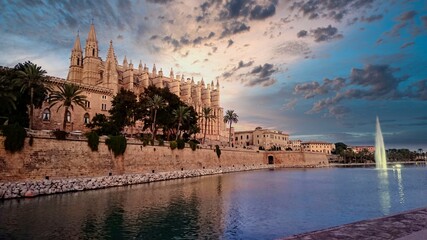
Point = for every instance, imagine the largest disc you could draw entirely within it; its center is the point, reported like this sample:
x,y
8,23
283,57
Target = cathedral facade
x,y
101,80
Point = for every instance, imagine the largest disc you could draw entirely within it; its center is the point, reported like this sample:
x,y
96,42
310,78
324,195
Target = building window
x,y
247,136
87,104
68,116
104,97
103,106
78,61
46,115
86,118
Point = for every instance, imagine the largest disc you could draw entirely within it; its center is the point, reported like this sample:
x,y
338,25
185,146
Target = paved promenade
x,y
411,225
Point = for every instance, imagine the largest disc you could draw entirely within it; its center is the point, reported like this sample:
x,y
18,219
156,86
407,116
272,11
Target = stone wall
x,y
73,158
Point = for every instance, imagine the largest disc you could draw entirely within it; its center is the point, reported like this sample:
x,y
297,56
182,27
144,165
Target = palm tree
x,y
230,117
32,76
67,96
181,114
7,96
155,103
207,116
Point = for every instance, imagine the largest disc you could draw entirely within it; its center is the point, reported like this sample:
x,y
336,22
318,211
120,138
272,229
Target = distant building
x,y
357,149
295,145
259,137
320,147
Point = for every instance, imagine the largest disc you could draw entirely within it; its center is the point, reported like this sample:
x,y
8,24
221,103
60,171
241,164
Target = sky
x,y
315,69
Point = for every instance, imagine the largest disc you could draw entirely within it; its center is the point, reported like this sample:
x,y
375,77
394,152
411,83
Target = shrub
x,y
261,148
93,141
161,142
15,137
60,135
173,144
193,145
218,151
117,144
180,144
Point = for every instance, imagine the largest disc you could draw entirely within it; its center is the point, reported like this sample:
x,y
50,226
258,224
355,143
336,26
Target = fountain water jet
x,y
380,157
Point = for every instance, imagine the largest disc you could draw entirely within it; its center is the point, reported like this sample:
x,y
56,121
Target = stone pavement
x,y
411,225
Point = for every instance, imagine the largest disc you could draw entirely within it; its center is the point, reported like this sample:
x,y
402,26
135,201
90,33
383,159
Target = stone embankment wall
x,y
51,166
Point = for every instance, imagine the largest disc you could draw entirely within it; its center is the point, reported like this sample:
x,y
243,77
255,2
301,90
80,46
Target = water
x,y
249,205
380,156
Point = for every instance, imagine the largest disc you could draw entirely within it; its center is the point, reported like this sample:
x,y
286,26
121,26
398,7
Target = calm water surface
x,y
262,204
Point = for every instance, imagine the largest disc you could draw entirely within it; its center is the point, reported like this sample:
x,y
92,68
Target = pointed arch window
x,y
46,115
78,61
68,116
86,118
93,52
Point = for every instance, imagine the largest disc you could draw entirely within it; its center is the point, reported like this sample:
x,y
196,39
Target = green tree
x,y
124,110
7,96
31,77
181,114
67,96
154,104
164,117
230,117
207,116
102,126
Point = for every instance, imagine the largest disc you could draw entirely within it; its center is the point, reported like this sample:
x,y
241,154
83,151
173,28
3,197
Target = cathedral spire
x,y
91,49
76,62
77,46
92,35
171,75
110,53
154,71
125,62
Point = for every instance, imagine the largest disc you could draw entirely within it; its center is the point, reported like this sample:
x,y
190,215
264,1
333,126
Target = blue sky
x,y
316,69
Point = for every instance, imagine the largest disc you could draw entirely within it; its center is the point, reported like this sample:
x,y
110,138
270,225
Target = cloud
x,y
325,34
262,12
424,19
160,1
405,45
404,20
290,105
338,111
248,9
234,27
406,16
373,82
302,33
372,18
230,42
261,75
336,10
294,48
418,90
311,89
240,65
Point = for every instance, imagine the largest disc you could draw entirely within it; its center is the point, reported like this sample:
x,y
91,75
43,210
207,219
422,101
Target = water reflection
x,y
401,191
250,205
384,191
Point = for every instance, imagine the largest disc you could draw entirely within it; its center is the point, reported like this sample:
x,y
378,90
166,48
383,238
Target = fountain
x,y
380,157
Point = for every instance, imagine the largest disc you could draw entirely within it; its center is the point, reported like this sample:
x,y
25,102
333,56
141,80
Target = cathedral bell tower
x,y
91,61
76,62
